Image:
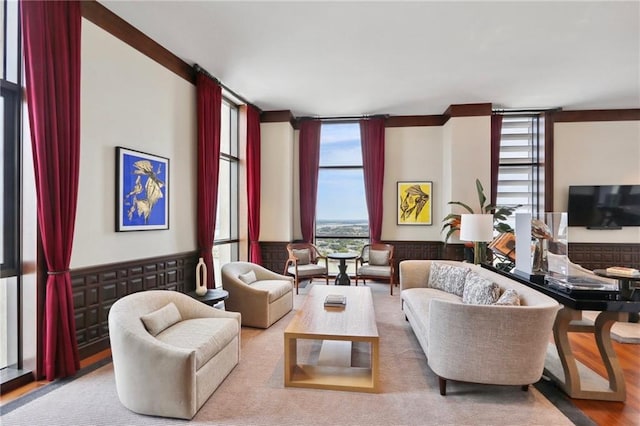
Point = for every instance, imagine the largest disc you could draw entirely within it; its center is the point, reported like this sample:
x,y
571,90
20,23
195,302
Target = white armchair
x,y
260,295
170,352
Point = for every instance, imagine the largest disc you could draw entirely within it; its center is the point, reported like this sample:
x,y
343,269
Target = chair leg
x,y
296,284
443,386
524,388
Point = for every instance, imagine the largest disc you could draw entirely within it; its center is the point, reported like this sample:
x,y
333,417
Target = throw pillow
x,y
248,277
509,297
449,278
157,321
378,258
303,255
479,290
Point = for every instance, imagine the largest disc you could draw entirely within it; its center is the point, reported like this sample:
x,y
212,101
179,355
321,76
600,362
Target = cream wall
x,y
277,187
412,154
596,153
129,100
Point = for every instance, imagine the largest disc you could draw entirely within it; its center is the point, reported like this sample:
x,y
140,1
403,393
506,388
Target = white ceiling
x,y
405,58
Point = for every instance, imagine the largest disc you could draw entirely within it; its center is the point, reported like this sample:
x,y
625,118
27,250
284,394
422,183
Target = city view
x,y
353,235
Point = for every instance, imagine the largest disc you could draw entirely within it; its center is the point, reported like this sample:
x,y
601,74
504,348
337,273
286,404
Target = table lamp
x,y
477,228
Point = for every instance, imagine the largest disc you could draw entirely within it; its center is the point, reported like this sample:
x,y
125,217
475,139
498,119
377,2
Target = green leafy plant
x,y
500,213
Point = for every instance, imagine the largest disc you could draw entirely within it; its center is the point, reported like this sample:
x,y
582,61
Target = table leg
x,y
587,385
343,278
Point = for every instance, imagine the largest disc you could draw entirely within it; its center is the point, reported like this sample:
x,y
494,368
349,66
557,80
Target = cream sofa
x,y
490,344
260,295
170,352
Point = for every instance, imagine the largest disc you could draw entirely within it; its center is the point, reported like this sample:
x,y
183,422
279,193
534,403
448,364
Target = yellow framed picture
x,y
414,203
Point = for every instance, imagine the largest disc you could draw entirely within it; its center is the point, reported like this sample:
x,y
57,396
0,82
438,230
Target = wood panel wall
x,y
96,288
602,255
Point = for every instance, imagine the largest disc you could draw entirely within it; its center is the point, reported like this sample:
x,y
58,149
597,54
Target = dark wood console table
x,y
577,380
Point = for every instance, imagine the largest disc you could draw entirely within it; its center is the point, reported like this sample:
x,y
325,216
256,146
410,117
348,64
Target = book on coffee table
x,y
338,300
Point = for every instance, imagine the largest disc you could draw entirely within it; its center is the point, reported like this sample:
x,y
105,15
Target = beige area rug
x,y
254,394
623,332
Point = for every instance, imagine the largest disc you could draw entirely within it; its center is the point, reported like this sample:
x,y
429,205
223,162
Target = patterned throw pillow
x,y
248,278
509,297
479,290
303,255
378,258
447,278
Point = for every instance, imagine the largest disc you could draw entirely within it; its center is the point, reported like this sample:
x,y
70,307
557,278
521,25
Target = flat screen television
x,y
604,206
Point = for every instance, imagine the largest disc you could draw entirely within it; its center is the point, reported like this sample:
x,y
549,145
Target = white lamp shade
x,y
476,227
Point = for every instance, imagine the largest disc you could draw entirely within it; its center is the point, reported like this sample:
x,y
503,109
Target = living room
x,y
136,95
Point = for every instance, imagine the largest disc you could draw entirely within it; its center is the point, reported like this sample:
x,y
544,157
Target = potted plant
x,y
500,214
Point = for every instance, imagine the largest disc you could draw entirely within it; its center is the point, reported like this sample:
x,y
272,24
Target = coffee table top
x,y
356,319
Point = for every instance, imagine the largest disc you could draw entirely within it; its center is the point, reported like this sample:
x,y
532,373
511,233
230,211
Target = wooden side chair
x,y
376,263
304,262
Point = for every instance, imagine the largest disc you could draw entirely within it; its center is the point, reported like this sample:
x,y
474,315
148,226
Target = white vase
x,y
201,278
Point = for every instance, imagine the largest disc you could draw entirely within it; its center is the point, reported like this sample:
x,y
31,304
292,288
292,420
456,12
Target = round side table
x,y
211,297
342,278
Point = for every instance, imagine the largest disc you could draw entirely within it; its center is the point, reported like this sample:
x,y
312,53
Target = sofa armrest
x,y
414,273
465,341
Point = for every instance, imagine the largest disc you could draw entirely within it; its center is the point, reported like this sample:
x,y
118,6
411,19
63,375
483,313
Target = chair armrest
x,y
267,274
414,273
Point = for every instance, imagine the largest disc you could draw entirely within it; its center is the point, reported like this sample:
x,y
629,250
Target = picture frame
x,y
142,191
414,202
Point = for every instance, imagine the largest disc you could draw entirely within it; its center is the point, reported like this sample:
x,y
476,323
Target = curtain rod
x,y
198,68
342,117
524,110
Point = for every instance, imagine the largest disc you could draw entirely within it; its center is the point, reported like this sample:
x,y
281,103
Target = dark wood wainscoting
x,y
602,255
274,255
96,288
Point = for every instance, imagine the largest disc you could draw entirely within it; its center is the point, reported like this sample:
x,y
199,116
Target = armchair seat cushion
x,y
206,336
375,271
275,288
307,270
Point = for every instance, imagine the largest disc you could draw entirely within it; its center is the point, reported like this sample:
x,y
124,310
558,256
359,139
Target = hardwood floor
x,y
585,350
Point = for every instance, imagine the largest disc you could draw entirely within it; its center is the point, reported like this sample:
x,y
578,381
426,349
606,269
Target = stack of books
x,y
336,300
623,272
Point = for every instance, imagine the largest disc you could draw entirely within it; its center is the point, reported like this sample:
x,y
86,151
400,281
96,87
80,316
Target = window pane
x,y
223,214
222,254
341,195
340,145
225,132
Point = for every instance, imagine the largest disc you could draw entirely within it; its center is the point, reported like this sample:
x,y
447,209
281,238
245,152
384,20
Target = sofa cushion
x,y
275,288
303,255
509,297
248,277
307,270
447,278
206,336
479,290
379,257
157,321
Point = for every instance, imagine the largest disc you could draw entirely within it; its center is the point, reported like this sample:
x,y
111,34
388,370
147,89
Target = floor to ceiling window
x,y
341,210
10,101
226,241
521,173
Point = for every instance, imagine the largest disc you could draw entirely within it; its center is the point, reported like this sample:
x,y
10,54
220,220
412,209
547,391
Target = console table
x,y
577,380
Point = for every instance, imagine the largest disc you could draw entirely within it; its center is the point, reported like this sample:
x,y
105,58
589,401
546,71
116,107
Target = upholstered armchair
x,y
304,262
170,352
260,295
376,263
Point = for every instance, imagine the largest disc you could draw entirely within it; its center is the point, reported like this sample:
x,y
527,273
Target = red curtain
x,y
51,35
372,141
253,183
309,161
209,95
496,130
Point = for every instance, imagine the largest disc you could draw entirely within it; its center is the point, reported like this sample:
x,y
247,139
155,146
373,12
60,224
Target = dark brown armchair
x,y
376,263
304,263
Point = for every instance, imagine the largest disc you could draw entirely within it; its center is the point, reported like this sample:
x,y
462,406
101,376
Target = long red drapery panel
x,y
309,161
51,36
253,183
372,142
209,104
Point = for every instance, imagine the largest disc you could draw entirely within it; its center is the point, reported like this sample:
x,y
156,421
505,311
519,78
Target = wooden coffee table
x,y
355,322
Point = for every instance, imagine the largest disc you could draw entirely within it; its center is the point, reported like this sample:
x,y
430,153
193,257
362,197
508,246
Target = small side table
x,y
211,297
342,278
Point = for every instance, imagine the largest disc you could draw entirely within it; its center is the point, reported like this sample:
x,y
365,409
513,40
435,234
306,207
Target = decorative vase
x,y
201,278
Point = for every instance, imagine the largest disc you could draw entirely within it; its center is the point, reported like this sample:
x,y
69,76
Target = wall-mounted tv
x,y
604,206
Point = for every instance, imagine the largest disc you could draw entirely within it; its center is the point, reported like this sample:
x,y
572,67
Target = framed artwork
x,y
414,203
142,191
